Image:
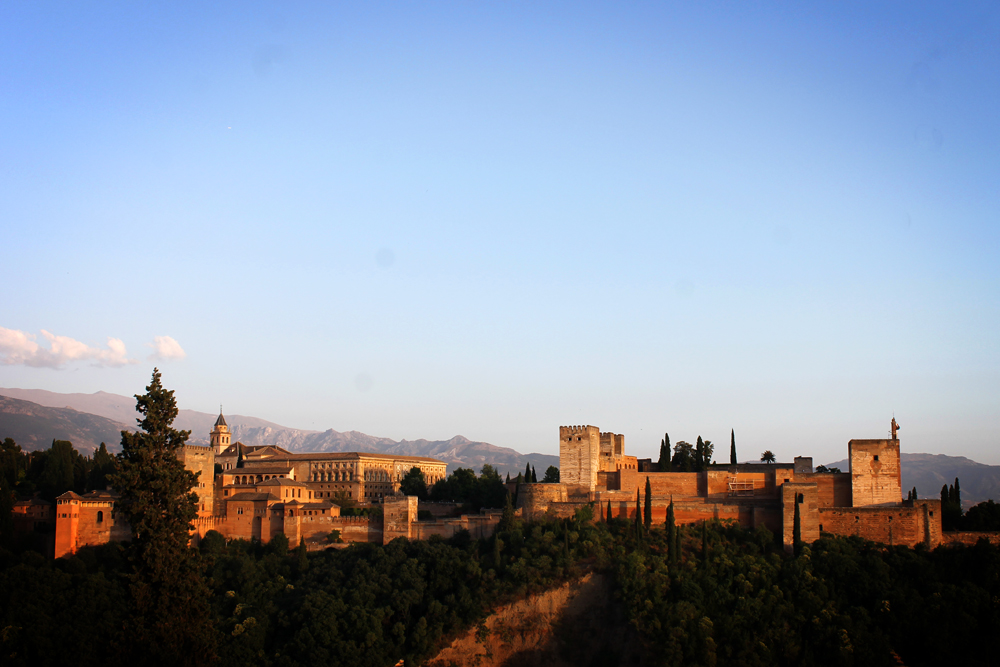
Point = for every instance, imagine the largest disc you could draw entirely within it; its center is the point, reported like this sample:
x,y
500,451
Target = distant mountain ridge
x,y
113,413
34,426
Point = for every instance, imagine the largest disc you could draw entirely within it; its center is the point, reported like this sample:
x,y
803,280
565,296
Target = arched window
x,y
100,516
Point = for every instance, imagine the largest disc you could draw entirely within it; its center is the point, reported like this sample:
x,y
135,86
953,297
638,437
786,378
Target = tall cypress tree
x,y
648,506
958,495
671,533
797,530
732,447
609,512
638,516
667,450
169,621
527,473
699,455
534,477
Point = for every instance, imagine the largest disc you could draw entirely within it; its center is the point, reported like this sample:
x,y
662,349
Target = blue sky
x,y
490,219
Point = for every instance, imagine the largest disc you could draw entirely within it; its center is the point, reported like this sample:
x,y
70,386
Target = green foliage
x,y
551,475
414,483
984,516
103,465
168,610
951,507
462,486
648,507
684,457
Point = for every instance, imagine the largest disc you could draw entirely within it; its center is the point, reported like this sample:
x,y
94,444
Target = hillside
x,y
458,452
34,426
928,472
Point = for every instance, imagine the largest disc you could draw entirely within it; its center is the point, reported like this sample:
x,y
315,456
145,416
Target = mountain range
x,y
34,417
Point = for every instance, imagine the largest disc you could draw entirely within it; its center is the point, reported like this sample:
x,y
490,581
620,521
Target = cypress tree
x,y
958,495
671,533
732,447
534,477
797,530
648,506
914,492
239,456
609,512
669,454
302,555
527,473
638,516
508,477
945,498
507,518
699,455
169,621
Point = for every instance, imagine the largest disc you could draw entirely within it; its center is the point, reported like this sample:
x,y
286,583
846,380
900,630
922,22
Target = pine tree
x,y
169,621
732,447
648,506
534,477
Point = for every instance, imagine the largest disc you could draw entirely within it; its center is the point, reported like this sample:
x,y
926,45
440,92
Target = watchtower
x,y
579,456
875,472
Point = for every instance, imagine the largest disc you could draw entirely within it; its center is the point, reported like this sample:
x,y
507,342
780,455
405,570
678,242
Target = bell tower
x,y
219,438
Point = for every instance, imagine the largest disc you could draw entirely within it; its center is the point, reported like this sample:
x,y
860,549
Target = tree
x,y
609,512
958,495
239,455
508,477
732,447
767,456
551,475
527,473
648,506
507,518
699,455
103,465
169,620
638,516
707,450
6,512
58,473
534,477
914,492
664,459
797,529
671,533
684,457
414,483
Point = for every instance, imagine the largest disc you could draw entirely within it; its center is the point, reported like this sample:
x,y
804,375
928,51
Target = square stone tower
x,y
579,456
875,472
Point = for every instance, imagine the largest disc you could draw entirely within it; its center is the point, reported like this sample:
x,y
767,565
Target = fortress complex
x,y
258,492
865,501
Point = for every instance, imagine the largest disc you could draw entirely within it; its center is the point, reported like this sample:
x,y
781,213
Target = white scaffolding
x,y
740,488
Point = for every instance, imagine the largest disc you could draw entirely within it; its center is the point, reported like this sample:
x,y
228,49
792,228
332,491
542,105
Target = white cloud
x,y
166,348
20,348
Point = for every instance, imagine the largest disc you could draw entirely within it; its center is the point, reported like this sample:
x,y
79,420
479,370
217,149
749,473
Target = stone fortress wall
x,y
865,501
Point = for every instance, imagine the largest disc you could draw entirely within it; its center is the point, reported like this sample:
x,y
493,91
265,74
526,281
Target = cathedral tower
x,y
219,438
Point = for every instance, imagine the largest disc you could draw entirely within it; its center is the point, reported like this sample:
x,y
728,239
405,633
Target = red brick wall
x,y
903,524
663,483
834,489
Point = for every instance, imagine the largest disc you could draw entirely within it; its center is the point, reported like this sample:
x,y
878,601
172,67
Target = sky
x,y
419,220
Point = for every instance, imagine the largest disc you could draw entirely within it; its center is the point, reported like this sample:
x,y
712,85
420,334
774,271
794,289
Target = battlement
x,y
575,430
